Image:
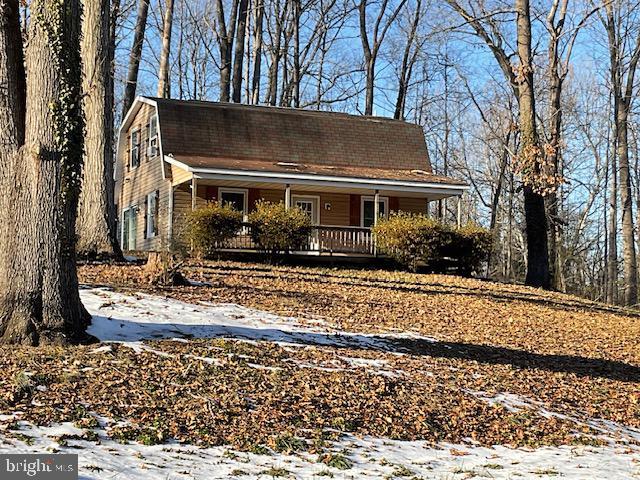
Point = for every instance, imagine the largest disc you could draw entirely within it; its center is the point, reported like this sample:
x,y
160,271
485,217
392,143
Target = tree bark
x,y
136,56
408,60
257,52
239,50
39,299
536,229
296,53
96,225
622,92
225,36
164,84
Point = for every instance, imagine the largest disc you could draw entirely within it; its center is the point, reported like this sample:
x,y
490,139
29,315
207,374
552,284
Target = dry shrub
x,y
210,227
278,230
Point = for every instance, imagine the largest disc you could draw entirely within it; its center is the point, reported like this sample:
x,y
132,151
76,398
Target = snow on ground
x,y
132,318
368,457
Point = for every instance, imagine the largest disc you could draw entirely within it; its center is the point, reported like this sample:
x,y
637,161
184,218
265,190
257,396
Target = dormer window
x,y
134,159
152,149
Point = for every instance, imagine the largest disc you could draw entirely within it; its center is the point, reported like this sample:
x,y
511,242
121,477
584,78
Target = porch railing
x,y
323,239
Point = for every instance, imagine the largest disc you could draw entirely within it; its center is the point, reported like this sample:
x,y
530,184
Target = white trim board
x,y
320,180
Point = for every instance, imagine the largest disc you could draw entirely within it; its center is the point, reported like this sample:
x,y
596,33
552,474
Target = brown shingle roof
x,y
277,167
243,137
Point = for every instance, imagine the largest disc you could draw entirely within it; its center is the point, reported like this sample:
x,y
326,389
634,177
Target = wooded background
x,y
532,103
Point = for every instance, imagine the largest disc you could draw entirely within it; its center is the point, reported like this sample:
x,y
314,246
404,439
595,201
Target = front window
x,y
134,161
368,211
151,215
236,198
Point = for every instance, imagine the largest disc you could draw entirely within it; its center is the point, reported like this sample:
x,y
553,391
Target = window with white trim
x,y
129,228
152,149
236,198
367,210
151,215
134,158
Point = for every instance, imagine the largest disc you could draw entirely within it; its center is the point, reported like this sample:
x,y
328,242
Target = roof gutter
x,y
324,180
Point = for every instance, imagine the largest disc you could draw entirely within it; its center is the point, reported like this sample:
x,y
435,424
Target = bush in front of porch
x,y
209,227
276,229
413,240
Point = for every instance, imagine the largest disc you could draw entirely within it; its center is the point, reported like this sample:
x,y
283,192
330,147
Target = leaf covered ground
x,y
511,365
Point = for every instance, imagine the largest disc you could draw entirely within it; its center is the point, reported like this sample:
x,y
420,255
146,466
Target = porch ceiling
x,y
431,195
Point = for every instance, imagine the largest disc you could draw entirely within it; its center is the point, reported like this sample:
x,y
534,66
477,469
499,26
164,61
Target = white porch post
x,y
194,192
287,197
376,207
376,214
459,211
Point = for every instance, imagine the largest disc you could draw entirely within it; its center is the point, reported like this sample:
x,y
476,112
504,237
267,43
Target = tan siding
x,y
339,213
179,175
412,205
274,196
135,184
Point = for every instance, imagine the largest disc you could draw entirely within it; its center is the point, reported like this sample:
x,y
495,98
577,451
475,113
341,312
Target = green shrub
x,y
470,245
275,229
410,238
413,239
208,228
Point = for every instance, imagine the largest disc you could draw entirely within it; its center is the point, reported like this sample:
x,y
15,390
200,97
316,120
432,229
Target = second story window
x,y
152,149
134,161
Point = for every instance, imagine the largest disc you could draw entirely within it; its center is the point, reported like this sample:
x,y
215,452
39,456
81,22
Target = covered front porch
x,y
342,213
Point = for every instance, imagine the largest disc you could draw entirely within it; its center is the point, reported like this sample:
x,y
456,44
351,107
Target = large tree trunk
x,y
96,225
622,91
628,235
612,238
551,200
164,84
135,56
12,118
39,299
536,219
239,50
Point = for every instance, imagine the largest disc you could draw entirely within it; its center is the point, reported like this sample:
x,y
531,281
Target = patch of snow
x,y
609,430
370,458
120,317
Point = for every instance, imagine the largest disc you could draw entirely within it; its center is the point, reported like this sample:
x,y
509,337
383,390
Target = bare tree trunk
x,y
39,299
96,216
257,52
239,50
536,229
626,200
296,53
135,56
408,60
371,47
164,84
622,91
225,36
612,239
272,87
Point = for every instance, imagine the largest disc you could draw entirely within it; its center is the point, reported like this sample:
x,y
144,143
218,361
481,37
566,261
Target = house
x,y
175,155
